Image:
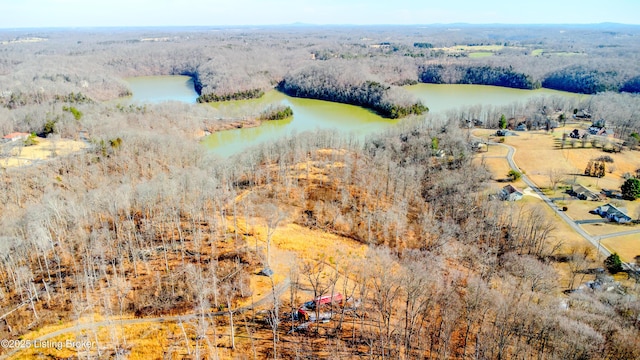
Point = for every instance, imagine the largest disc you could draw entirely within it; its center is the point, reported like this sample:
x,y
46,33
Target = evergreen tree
x,y
503,122
631,189
613,263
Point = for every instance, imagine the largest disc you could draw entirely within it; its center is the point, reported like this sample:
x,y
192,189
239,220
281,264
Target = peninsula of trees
x,y
345,83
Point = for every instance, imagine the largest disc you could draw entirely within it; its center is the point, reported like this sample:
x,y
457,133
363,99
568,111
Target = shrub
x,y
514,175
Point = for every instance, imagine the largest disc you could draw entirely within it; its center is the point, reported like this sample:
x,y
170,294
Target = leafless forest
x,y
146,223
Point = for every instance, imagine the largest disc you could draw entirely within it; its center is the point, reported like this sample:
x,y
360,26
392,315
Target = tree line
x,y
478,75
228,65
346,84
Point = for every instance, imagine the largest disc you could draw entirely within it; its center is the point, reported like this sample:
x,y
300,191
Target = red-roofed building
x,y
15,136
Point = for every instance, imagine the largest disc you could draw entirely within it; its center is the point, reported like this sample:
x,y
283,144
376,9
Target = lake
x,y
440,98
311,114
308,115
157,89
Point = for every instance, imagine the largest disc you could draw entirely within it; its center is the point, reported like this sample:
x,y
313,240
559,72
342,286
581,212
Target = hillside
x,y
145,245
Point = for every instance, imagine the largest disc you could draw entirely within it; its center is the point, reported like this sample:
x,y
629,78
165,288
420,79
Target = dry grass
x,y
579,209
43,150
606,228
494,150
291,241
538,153
628,247
137,341
563,232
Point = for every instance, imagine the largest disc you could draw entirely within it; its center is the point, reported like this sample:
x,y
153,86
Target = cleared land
x,y
480,54
539,154
19,155
626,246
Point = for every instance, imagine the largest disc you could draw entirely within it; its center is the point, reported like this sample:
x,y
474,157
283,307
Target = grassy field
x,y
43,150
628,247
538,154
480,54
475,48
137,341
540,52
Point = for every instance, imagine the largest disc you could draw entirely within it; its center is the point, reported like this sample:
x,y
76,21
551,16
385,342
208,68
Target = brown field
x,y
538,153
137,341
607,228
43,150
290,242
498,167
626,246
579,209
563,233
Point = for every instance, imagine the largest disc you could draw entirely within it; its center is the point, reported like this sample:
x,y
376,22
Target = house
x,y
503,132
583,193
551,124
599,123
582,114
510,193
521,127
578,134
605,132
612,213
15,137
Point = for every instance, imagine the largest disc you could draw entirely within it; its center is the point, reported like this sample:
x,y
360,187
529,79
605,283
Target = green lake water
x,y
157,89
310,115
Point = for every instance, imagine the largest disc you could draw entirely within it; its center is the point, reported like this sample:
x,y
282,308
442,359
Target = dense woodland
x,y
240,63
147,223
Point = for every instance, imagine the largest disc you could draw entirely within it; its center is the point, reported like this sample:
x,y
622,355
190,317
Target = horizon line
x,y
302,24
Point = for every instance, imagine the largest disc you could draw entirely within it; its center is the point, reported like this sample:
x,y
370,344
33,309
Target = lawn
x,y
537,154
627,246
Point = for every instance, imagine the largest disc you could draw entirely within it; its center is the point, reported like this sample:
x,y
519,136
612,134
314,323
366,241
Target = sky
x,y
98,13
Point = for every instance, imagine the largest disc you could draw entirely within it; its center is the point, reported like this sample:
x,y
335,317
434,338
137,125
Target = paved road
x,y
266,299
622,233
592,221
593,240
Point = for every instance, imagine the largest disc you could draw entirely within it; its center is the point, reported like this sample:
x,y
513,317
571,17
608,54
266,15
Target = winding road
x,y
594,240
